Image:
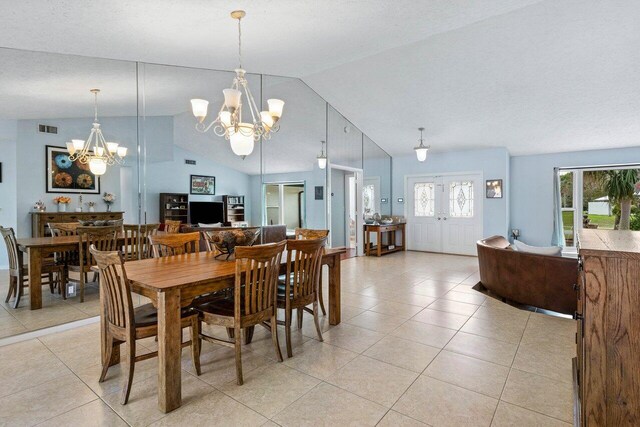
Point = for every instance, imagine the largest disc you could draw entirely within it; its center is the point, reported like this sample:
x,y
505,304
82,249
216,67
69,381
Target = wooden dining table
x,y
173,282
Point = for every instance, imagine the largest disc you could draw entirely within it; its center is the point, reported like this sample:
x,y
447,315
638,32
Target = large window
x,y
284,204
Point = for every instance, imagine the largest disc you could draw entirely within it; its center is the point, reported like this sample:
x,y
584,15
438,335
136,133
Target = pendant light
x,y
322,158
421,150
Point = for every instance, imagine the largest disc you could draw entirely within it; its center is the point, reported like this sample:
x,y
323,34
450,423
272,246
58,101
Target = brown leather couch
x,y
541,281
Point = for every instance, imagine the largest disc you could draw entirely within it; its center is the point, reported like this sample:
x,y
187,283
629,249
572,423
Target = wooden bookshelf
x,y
175,207
234,209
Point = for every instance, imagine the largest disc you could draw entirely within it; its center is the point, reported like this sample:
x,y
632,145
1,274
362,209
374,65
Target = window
x,y
461,199
424,197
284,203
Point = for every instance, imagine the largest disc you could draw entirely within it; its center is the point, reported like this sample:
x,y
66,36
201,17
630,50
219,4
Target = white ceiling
x,y
533,76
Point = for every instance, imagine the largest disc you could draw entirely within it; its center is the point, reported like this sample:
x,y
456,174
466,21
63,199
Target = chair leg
x,y
299,316
230,333
107,358
274,337
51,282
131,365
287,330
63,283
196,342
320,297
83,279
19,291
238,347
95,277
316,320
13,283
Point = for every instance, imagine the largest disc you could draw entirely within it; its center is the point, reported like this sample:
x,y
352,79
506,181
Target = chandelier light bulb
x,y
122,151
112,147
78,144
199,108
70,148
322,158
225,118
232,98
97,166
241,144
275,107
267,119
421,150
98,151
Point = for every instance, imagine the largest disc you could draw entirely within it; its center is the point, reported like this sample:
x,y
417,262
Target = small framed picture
x,y
494,189
319,193
201,184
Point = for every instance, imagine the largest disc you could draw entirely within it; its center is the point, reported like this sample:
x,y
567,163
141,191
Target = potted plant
x,y
92,206
62,202
109,198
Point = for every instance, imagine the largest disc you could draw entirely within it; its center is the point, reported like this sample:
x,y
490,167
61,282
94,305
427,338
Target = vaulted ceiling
x,y
533,76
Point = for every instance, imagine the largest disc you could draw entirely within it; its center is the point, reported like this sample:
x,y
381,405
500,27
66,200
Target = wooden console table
x,y
381,230
39,220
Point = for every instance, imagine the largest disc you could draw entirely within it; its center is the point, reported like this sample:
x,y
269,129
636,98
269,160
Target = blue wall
x,y
492,163
531,188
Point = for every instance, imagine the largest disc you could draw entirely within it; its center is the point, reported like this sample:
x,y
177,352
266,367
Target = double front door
x,y
444,213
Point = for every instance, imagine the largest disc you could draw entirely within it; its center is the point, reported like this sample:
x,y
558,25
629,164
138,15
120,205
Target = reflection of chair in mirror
x,y
225,241
171,226
300,286
174,244
126,324
63,228
309,234
18,272
136,240
104,238
254,299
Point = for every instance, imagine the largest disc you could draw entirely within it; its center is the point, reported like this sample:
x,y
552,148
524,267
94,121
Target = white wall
x,y
493,163
338,207
531,189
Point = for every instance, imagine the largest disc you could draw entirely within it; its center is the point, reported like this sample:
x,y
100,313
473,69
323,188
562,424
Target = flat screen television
x,y
206,212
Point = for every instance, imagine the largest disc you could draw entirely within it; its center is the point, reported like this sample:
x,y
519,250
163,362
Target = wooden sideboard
x,y
39,220
607,369
383,246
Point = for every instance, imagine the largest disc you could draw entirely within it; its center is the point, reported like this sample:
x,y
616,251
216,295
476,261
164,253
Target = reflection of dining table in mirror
x,y
173,282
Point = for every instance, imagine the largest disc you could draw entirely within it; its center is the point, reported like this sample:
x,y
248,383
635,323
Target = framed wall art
x,y
201,184
66,176
494,189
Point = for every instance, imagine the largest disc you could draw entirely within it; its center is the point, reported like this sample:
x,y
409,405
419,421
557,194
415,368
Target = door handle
x,y
445,218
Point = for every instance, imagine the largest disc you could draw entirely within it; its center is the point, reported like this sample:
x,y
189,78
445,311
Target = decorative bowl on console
x,y
225,241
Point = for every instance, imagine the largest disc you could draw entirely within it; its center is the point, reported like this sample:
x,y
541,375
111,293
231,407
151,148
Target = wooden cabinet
x,y
233,209
39,220
174,207
607,369
386,241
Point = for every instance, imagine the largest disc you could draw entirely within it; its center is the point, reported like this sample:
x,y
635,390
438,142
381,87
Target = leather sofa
x,y
541,281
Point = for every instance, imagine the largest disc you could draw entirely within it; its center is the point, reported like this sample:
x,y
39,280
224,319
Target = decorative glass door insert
x,y
461,199
424,199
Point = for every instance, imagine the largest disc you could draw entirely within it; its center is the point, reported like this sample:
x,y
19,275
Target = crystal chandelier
x,y
96,150
421,150
228,123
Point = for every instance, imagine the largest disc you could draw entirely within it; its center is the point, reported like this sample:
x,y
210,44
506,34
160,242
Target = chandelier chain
x,y
240,42
95,107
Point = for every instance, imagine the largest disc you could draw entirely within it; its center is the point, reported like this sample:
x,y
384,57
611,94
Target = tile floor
x,y
417,346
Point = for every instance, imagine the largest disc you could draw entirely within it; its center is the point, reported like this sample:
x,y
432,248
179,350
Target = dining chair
x,y
126,324
63,228
300,287
253,302
19,273
308,233
136,240
104,238
66,258
172,226
174,244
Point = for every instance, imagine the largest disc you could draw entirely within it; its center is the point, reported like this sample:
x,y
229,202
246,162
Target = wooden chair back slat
x,y
304,262
310,234
12,247
174,244
104,238
172,226
63,228
136,240
257,269
113,280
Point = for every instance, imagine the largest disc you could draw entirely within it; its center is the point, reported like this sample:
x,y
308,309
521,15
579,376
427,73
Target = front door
x,y
444,213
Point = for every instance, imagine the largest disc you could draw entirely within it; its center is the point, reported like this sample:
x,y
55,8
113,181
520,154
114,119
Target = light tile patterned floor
x,y
417,346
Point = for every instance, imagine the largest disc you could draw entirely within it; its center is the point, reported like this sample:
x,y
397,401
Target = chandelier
x,y
421,150
96,150
322,158
228,123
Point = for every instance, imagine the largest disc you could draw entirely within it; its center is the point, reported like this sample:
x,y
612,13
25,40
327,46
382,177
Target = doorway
x,y
444,213
284,203
346,208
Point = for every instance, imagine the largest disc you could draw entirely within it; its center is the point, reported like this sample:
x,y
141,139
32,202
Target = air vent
x,y
47,129
190,162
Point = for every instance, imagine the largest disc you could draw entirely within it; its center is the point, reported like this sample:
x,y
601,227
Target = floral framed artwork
x,y
66,176
494,189
201,184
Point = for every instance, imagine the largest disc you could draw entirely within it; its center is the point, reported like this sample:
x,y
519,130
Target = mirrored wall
x,y
172,170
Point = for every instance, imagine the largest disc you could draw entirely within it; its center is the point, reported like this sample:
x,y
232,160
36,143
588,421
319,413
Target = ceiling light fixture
x,y
95,150
421,150
228,123
322,158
